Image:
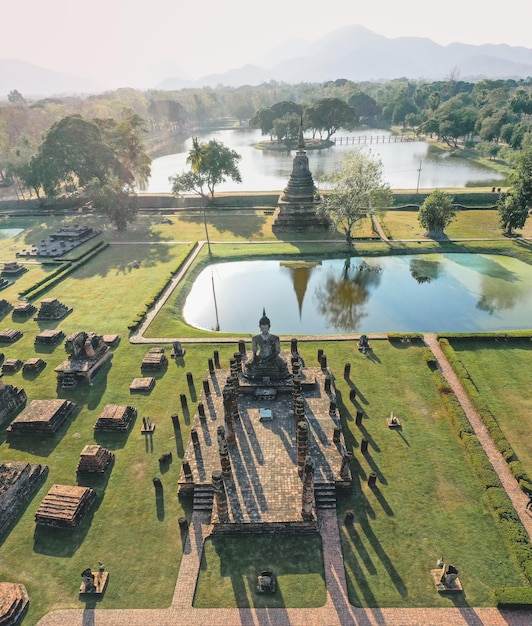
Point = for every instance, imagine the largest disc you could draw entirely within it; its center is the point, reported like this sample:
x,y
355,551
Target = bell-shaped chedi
x,y
298,203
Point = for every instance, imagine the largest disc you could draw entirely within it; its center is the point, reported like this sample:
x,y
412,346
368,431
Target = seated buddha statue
x,y
266,362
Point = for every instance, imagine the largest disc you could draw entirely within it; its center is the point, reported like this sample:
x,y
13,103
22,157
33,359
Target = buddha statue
x,y
266,362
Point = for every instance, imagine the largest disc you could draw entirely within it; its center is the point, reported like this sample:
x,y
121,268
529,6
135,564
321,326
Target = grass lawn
x,y
467,224
501,373
427,502
230,565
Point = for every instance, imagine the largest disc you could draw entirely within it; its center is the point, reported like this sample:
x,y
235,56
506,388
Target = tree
x,y
286,129
210,163
355,189
513,205
119,204
329,114
436,213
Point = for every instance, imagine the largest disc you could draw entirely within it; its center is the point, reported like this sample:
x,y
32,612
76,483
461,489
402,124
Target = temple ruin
x,y
64,506
88,353
11,400
298,203
42,417
245,462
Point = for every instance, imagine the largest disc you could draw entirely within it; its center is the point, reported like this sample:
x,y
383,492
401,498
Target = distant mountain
x,y
34,81
357,53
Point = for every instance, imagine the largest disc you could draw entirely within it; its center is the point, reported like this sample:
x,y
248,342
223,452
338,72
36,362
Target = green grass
x,y
428,502
230,566
500,371
467,224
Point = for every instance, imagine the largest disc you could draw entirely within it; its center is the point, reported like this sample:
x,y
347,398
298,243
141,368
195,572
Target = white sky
x,y
110,40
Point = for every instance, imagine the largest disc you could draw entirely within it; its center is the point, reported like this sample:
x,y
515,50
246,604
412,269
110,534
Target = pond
x,y
410,293
8,233
406,164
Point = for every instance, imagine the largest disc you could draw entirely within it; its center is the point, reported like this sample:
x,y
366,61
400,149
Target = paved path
x,y
337,610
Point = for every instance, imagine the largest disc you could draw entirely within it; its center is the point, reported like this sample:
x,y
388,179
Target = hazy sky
x,y
113,41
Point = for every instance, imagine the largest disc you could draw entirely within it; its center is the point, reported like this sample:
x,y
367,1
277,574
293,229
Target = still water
x,y
8,233
405,164
410,293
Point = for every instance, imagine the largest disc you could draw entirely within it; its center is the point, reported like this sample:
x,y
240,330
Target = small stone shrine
x,y
18,482
4,283
60,242
111,340
49,337
142,384
5,307
93,583
23,310
116,418
155,359
11,399
13,268
34,365
88,354
11,365
251,411
52,309
14,602
64,506
42,417
446,578
10,335
298,203
94,460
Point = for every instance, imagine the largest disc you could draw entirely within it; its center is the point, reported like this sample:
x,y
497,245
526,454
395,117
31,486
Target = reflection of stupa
x,y
297,204
300,272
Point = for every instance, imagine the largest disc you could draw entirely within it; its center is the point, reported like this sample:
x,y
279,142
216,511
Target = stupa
x,y
298,203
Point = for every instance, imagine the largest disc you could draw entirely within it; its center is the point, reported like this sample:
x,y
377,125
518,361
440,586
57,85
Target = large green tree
x,y
513,205
356,188
436,213
328,115
210,163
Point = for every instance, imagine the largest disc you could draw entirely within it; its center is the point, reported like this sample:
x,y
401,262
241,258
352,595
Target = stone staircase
x,y
203,498
325,495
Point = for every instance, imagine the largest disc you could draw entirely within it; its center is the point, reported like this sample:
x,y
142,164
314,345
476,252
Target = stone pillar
x,y
293,346
347,370
332,409
201,411
190,379
345,472
175,421
352,394
299,411
216,356
223,449
364,446
336,435
187,471
232,381
297,390
358,418
372,479
327,384
194,437
320,354
234,367
206,387
227,396
308,491
302,445
242,347
220,495
323,362
238,358
211,366
184,403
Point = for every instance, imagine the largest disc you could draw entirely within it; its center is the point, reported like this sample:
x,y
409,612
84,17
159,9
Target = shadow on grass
x,y
230,566
246,226
65,542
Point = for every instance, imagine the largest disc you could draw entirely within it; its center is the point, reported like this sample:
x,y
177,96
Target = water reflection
x,y
449,293
424,270
341,299
266,170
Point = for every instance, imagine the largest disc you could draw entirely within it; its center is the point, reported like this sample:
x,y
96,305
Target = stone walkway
x,y
337,610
